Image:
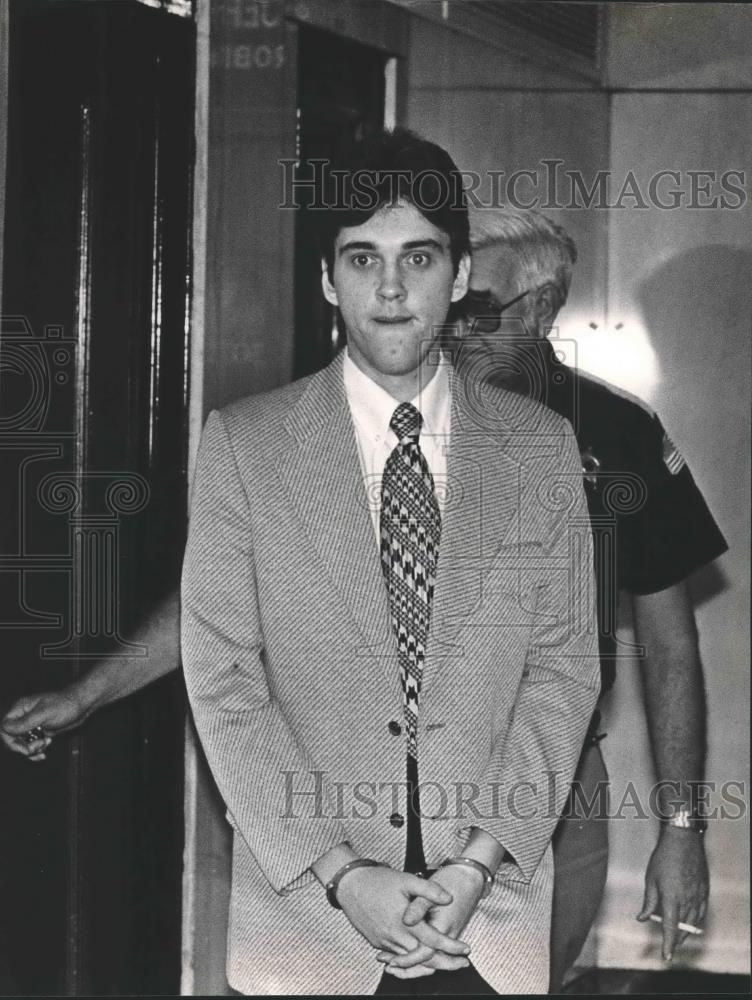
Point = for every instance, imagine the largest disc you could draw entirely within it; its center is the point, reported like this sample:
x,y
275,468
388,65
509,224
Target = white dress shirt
x,y
371,409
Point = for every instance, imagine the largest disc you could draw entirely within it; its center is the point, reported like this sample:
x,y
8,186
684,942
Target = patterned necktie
x,y
410,530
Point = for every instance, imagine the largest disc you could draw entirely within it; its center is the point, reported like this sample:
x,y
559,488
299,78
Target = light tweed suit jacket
x,y
292,672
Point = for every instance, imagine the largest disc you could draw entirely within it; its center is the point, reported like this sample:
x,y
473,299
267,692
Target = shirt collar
x,y
372,407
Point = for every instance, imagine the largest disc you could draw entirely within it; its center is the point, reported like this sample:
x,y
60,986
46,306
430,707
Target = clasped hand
x,y
414,923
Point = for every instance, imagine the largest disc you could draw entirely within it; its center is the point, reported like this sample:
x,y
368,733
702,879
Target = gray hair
x,y
544,252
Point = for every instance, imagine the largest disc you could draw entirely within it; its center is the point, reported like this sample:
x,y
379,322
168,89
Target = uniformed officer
x,y
651,528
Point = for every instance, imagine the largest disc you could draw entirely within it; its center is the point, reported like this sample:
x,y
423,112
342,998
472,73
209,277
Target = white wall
x,y
496,111
684,277
678,97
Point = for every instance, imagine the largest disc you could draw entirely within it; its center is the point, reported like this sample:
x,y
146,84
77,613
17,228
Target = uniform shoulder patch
x,y
672,457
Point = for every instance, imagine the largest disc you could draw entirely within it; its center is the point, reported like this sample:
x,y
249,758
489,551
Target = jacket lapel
x,y
481,514
320,469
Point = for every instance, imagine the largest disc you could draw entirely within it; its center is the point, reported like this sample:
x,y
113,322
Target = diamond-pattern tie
x,y
410,530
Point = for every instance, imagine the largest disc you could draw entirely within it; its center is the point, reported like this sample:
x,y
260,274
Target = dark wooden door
x,y
93,366
340,94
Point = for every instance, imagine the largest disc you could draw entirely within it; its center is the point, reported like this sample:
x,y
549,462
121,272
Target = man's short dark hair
x,y
387,167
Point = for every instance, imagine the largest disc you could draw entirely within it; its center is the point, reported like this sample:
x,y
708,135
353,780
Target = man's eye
x,y
419,259
361,260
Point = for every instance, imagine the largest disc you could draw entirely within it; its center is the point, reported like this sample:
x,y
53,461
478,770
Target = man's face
x,y
501,314
393,281
494,271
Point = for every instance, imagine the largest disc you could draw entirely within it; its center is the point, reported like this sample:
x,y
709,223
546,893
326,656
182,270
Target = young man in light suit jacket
x,y
388,631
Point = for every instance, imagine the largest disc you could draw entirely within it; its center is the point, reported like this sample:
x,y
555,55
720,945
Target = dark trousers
x,y
580,866
459,982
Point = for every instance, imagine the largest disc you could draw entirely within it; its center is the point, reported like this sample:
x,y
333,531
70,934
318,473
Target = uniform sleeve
x,y
673,533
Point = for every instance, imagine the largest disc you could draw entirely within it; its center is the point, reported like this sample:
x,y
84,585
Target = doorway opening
x,y
341,93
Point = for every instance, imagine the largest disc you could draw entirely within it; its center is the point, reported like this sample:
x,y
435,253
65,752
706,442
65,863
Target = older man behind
x,y
522,267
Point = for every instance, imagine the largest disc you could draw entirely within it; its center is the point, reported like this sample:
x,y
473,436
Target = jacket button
x,y
397,820
394,728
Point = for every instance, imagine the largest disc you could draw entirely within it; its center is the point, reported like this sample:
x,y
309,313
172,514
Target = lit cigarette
x,y
688,928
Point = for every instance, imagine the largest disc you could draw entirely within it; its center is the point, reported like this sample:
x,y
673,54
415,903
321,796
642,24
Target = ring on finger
x,y
37,733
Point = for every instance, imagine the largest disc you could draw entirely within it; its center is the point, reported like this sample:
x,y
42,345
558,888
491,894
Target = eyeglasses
x,y
484,311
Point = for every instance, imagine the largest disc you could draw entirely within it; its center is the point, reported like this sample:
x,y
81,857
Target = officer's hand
x,y
374,901
466,888
676,884
51,712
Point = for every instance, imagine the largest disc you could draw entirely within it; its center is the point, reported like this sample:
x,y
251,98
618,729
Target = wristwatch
x,y
685,819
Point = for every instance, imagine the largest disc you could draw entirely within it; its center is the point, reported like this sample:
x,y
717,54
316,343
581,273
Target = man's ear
x,y
459,288
326,286
547,304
